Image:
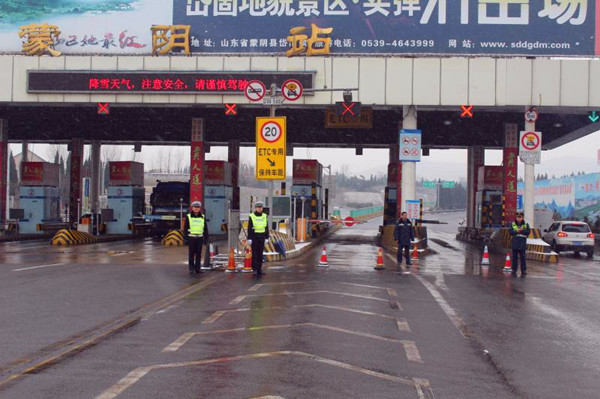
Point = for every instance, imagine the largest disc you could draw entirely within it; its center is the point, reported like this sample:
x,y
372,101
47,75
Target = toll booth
x,y
488,200
307,185
218,194
39,197
126,197
390,207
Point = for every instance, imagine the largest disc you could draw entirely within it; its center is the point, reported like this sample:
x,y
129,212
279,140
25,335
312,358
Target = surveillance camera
x,y
347,96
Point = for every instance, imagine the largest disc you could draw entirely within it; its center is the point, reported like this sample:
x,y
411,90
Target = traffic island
x,y
537,249
388,242
73,237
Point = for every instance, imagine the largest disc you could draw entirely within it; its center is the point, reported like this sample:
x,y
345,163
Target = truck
x,y
169,201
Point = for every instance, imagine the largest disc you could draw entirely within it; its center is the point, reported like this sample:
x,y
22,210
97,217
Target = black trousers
x,y
516,254
406,250
195,252
258,247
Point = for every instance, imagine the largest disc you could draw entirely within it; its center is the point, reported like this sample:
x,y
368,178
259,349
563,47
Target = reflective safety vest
x,y
196,225
523,226
259,223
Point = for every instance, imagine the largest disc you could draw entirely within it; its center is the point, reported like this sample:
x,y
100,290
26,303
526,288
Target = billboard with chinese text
x,y
570,197
395,27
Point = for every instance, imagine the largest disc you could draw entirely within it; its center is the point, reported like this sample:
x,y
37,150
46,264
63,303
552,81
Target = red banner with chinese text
x,y
75,174
32,172
510,157
3,168
197,162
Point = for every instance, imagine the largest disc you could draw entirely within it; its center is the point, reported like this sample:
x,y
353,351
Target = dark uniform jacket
x,y
186,226
519,240
403,232
255,236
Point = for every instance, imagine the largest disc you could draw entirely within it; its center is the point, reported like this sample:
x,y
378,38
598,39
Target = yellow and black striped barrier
x,y
288,243
174,238
539,252
72,237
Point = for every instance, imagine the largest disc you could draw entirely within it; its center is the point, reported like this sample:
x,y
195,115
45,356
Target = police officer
x,y
196,232
258,232
404,234
520,231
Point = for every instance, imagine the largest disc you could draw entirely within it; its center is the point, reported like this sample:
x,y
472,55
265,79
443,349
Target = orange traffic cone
x,y
379,265
323,261
212,254
507,264
231,265
486,256
248,262
415,254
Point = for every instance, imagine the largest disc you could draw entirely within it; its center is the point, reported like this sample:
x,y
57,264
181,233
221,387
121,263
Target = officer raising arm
x,y
258,232
196,231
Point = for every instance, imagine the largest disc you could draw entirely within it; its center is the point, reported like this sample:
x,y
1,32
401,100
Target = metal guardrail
x,y
356,213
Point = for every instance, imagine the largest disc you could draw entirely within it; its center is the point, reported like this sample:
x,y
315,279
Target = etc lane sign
x,y
410,145
467,27
271,148
530,147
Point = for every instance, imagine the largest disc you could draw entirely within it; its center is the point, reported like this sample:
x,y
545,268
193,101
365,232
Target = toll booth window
x,y
576,228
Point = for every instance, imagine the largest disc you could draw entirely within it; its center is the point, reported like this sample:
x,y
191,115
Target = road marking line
x,y
214,317
420,385
256,287
403,325
237,300
392,292
448,310
412,352
441,282
37,267
134,376
178,343
243,297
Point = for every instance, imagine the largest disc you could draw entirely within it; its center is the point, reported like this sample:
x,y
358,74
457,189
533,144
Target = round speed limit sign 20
x,y
271,132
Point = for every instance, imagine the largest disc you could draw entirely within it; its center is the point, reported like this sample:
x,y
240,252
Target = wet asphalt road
x,y
451,329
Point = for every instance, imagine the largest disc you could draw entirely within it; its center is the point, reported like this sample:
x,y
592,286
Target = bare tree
x,y
111,153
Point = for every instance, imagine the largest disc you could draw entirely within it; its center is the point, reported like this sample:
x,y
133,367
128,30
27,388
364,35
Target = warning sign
x,y
270,148
530,147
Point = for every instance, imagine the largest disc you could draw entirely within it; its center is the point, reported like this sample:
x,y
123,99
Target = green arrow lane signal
x,y
594,116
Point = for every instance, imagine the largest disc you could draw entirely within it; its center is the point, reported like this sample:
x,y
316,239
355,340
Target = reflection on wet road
x,y
451,329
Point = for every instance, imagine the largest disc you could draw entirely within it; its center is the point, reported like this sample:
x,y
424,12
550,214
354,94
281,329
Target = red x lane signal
x,y
231,109
347,109
103,108
467,111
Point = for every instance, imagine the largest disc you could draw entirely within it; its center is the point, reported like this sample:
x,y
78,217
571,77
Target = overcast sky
x,y
581,155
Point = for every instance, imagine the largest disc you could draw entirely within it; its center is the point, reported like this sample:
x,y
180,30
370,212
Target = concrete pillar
x,y
95,177
4,154
233,156
75,179
197,162
409,169
529,177
476,159
510,161
24,153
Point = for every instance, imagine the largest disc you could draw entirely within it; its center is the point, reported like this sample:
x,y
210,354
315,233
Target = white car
x,y
570,236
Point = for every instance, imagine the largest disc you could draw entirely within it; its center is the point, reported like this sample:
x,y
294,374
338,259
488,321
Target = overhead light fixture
x,y
347,96
558,125
447,123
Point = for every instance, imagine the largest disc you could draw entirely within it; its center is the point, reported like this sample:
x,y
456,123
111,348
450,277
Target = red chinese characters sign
x,y
156,82
3,168
120,171
75,182
197,162
32,171
510,158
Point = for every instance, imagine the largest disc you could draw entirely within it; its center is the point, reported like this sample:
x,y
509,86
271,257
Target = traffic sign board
x,y
349,221
291,90
413,208
531,115
255,91
272,101
448,184
530,148
410,145
271,148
